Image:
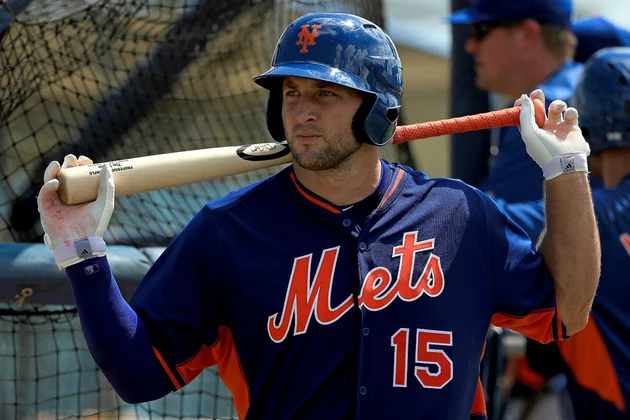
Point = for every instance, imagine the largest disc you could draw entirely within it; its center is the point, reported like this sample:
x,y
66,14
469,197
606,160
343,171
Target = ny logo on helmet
x,y
306,38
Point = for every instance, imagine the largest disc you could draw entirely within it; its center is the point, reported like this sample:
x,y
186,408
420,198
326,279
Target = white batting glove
x,y
75,232
558,147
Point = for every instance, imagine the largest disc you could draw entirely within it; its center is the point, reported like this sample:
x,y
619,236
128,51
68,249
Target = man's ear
x,y
530,32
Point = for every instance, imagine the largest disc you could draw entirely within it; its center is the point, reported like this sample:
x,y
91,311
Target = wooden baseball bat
x,y
79,184
148,173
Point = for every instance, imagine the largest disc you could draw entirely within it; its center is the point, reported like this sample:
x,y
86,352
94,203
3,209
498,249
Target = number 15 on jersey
x,y
432,366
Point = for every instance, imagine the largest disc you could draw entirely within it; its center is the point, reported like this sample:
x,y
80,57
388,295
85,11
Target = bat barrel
x,y
131,176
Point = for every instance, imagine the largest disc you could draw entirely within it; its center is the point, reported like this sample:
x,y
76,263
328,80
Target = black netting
x,y
120,79
47,372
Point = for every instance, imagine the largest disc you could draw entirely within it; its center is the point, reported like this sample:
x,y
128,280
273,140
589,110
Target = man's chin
x,y
481,83
311,165
484,83
311,162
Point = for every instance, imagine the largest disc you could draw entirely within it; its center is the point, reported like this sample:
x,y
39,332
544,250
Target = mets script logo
x,y
306,298
306,38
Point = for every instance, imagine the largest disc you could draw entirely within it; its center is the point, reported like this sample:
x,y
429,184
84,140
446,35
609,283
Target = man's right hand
x,y
75,232
559,146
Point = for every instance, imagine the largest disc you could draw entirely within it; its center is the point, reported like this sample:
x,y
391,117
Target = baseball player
x,y
597,360
344,286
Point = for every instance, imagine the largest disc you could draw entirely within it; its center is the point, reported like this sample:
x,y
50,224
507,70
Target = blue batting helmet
x,y
596,32
343,49
602,98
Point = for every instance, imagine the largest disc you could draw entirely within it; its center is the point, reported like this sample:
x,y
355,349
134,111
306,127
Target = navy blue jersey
x,y
598,358
514,176
310,314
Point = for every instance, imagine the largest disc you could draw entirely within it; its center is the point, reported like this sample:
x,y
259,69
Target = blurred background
x,y
425,39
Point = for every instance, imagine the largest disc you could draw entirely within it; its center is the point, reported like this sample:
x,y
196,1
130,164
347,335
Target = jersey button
x,y
362,246
363,390
347,222
366,331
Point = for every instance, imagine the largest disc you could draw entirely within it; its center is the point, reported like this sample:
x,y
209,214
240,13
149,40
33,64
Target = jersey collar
x,y
390,178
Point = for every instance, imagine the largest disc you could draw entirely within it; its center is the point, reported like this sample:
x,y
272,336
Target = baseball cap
x,y
557,12
594,33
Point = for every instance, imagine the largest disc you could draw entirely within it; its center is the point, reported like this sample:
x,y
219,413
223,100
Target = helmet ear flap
x,y
375,123
358,122
274,115
377,129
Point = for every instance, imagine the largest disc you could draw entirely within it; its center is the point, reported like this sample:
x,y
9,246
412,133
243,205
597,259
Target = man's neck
x,y
352,182
615,166
533,75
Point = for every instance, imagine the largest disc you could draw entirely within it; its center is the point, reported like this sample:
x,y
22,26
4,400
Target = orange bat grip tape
x,y
501,118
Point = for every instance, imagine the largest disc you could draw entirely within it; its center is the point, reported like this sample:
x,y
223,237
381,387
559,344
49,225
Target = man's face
x,y
317,118
495,48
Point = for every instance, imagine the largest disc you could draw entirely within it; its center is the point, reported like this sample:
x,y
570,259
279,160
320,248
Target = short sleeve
x,y
529,215
523,290
176,302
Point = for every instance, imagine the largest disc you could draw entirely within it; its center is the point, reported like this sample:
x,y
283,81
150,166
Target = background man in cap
x,y
519,46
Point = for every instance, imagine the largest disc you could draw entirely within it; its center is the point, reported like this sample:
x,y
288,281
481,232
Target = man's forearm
x,y
115,334
570,246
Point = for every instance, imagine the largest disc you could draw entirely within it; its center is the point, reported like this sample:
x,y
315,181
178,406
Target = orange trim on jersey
x,y
391,191
538,325
222,353
479,403
561,330
167,369
313,199
625,240
525,375
589,360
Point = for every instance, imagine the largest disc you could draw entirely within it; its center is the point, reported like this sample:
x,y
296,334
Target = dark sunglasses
x,y
480,30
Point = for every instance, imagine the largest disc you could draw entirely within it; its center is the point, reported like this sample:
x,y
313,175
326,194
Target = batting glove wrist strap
x,y
564,164
72,252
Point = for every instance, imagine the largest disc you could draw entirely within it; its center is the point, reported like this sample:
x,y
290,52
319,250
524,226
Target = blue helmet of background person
x,y
596,32
343,49
602,98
